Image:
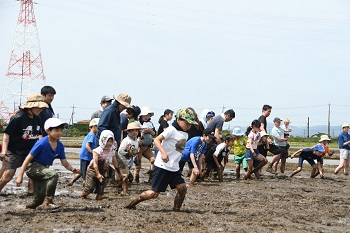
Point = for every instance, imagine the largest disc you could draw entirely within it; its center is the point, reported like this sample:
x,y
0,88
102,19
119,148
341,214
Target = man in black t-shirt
x,y
266,111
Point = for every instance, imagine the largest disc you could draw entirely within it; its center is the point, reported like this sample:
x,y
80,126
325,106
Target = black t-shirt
x,y
195,131
44,115
262,120
211,147
24,132
163,124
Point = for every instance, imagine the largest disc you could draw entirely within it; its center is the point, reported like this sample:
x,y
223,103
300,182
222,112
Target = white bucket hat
x,y
145,111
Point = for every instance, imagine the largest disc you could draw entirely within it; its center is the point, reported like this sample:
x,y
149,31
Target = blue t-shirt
x,y
84,153
44,154
343,137
195,146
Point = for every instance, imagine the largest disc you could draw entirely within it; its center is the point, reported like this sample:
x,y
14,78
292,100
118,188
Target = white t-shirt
x,y
128,145
220,148
255,137
171,137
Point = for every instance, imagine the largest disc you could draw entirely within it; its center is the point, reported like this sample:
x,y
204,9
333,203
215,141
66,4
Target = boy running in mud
x,y
40,158
194,151
308,154
214,161
166,170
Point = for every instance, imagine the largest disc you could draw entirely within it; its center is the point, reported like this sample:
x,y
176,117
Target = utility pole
x,y
71,118
329,119
223,108
25,73
308,127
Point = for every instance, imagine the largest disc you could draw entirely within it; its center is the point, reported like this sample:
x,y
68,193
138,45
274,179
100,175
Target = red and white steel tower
x,y
25,72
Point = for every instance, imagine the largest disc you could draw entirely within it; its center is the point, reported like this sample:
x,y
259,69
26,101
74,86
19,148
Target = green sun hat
x,y
187,115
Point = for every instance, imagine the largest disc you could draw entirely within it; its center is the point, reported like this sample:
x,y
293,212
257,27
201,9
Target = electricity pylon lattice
x,y
25,72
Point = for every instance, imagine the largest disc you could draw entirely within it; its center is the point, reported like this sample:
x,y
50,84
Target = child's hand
x,y
76,170
100,177
165,158
19,180
196,171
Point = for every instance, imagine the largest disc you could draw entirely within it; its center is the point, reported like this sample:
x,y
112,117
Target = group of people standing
x,y
121,134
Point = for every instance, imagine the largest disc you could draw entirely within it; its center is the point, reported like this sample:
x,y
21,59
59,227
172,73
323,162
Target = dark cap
x,y
134,110
106,99
210,114
277,119
209,133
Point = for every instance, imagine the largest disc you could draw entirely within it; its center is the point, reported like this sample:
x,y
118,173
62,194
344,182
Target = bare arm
x,y
5,143
95,166
295,153
217,135
23,169
116,166
157,142
262,127
69,167
88,147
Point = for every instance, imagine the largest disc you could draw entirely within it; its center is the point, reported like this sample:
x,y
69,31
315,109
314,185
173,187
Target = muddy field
x,y
274,204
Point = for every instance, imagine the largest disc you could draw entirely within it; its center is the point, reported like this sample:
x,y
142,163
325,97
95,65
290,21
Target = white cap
x,y
54,122
94,121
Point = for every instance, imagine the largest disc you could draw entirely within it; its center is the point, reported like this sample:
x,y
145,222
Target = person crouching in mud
x,y
166,170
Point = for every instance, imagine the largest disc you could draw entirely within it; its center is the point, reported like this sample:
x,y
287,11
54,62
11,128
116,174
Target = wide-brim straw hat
x,y
124,99
35,101
324,138
133,125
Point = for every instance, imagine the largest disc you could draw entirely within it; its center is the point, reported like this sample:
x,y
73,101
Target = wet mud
x,y
273,204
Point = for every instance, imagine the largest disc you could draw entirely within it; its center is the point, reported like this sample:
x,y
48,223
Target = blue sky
x,y
293,55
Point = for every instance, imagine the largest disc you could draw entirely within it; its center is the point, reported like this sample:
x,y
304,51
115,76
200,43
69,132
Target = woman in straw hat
x,y
147,133
20,135
110,117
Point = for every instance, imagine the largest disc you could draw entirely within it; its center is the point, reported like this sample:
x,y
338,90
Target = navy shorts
x,y
162,178
83,167
308,159
249,154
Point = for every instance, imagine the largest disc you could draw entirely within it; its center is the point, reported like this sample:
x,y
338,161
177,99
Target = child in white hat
x,y
38,161
128,149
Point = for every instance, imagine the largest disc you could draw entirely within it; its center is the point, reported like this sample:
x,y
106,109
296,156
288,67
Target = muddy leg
x,y
295,172
238,171
180,196
75,178
143,197
341,165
